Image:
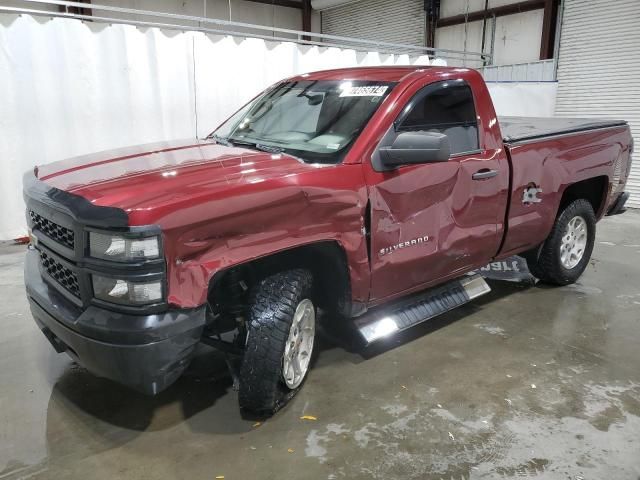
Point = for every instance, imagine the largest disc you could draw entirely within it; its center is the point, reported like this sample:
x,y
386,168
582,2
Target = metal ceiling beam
x,y
306,18
306,15
282,3
549,21
77,10
519,7
432,13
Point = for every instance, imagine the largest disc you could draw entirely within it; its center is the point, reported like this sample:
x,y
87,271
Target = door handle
x,y
484,174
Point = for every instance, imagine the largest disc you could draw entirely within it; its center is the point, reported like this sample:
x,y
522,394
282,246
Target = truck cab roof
x,y
389,73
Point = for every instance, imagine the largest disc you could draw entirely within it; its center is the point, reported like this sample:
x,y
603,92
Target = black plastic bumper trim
x,y
148,368
618,206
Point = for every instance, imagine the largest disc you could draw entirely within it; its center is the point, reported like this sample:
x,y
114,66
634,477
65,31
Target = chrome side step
x,y
421,307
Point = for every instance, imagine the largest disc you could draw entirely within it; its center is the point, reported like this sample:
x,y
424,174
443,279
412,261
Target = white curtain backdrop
x,y
525,99
69,87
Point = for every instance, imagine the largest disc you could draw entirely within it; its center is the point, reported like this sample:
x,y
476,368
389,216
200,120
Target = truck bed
x,y
548,155
517,129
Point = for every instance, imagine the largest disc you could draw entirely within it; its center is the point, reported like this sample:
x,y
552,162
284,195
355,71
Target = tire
x,y
555,262
273,304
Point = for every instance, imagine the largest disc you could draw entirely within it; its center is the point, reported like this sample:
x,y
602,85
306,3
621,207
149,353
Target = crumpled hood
x,y
149,176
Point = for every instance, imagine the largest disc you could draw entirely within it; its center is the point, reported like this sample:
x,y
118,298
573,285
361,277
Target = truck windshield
x,y
316,121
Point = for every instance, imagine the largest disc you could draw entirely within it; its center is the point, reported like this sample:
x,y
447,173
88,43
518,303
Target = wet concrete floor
x,y
528,381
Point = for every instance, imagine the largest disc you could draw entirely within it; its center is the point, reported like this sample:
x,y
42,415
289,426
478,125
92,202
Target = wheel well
x,y
327,262
594,190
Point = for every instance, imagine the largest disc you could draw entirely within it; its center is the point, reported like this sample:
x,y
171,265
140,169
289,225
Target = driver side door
x,y
434,221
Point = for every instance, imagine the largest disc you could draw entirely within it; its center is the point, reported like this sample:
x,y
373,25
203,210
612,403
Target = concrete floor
x,y
527,381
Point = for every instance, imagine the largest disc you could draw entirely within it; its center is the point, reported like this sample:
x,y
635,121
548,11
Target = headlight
x,y
123,249
125,292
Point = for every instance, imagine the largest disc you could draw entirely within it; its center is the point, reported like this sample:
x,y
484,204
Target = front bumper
x,y
618,205
144,352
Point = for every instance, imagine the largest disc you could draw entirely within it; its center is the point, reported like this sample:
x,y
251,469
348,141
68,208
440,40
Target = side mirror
x,y
416,147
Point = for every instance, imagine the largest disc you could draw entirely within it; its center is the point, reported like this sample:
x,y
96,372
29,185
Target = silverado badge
x,y
409,243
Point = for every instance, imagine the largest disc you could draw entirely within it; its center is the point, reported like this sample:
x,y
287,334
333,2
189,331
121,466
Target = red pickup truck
x,y
368,194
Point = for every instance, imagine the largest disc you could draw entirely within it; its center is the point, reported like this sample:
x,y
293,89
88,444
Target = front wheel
x,y
565,254
280,341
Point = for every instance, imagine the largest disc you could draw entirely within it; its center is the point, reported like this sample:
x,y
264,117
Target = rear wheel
x,y
565,254
280,341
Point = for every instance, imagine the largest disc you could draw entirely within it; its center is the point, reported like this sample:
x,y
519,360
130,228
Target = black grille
x,y
52,230
61,274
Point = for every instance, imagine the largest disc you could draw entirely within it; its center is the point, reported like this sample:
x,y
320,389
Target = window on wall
x,y
446,107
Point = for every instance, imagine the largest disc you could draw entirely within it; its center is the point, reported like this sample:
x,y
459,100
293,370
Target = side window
x,y
447,109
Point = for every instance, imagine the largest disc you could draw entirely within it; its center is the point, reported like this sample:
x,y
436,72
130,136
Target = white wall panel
x,y
599,67
453,38
526,99
450,8
263,14
517,38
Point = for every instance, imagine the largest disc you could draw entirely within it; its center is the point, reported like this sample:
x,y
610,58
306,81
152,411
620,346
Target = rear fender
x,y
551,167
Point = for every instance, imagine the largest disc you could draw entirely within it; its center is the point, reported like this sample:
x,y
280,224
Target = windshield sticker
x,y
333,146
364,91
